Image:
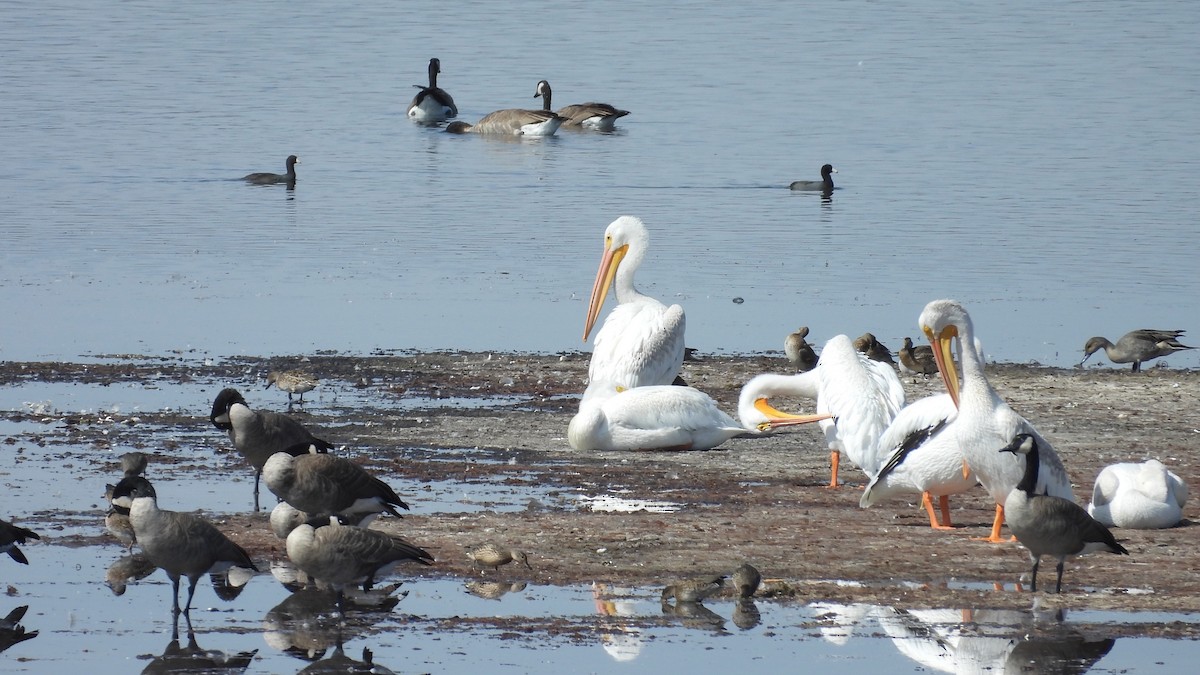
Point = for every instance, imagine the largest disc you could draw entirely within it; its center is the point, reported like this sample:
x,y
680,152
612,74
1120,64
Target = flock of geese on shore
x,y
937,447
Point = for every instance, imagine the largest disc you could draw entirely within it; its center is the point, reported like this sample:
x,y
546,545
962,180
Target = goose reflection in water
x,y
998,641
306,624
339,663
194,659
11,630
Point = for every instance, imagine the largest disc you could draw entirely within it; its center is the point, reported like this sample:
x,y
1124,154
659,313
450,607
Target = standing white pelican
x,y
641,341
1145,496
922,456
861,397
985,423
656,417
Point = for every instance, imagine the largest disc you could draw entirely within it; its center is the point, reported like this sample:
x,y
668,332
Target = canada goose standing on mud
x,y
432,104
1048,525
322,484
257,435
341,555
182,544
598,116
1137,346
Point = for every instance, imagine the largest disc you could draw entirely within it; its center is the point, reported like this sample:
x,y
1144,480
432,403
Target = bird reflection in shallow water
x,y
494,590
746,614
306,624
694,615
11,630
126,570
338,663
621,640
193,659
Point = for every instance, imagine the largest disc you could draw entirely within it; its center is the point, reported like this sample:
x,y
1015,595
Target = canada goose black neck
x,y
1024,444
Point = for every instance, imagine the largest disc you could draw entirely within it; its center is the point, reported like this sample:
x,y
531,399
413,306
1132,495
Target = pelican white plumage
x,y
985,422
860,396
641,341
1145,496
922,456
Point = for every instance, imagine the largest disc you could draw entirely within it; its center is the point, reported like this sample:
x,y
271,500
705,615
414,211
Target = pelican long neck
x,y
974,381
623,281
1029,480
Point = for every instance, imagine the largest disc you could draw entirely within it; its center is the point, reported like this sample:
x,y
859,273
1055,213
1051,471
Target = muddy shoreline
x,y
501,418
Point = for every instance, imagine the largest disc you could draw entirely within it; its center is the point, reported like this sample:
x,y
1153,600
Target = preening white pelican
x,y
922,456
1145,496
861,395
661,417
641,341
985,422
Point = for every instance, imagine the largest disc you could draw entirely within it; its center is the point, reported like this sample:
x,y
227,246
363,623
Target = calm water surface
x,y
1037,162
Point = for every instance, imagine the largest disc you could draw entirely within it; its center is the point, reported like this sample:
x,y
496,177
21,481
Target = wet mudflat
x,y
475,442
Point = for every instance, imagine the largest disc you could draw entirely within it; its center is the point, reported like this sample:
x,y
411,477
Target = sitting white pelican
x,y
922,456
985,422
1144,496
641,341
860,395
661,417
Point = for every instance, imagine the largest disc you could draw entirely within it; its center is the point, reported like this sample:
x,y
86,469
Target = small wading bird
x,y
494,555
1048,525
641,341
432,104
1137,346
985,421
265,178
598,116
1145,496
257,435
693,590
293,382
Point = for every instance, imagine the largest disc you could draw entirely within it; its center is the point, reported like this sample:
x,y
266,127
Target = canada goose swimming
x,y
799,353
873,349
182,544
1137,346
598,116
858,396
917,360
322,484
257,435
922,457
341,555
292,381
746,579
10,536
984,421
511,122
432,104
1144,496
494,555
265,178
823,185
693,590
1048,525
641,340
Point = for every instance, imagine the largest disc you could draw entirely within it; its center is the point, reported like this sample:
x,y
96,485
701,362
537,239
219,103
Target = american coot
x,y
598,116
863,395
511,122
273,178
1048,525
985,421
826,182
1137,346
641,341
432,104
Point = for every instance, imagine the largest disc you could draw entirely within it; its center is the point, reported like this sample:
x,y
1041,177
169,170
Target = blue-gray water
x,y
1037,161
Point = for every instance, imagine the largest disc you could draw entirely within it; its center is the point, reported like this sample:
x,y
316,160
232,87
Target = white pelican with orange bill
x,y
641,341
985,422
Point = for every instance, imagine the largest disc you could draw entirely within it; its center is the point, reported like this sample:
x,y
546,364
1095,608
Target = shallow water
x,y
1035,161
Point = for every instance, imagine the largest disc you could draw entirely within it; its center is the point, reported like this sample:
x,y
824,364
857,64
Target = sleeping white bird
x,y
641,341
659,417
1145,496
922,457
985,422
860,397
